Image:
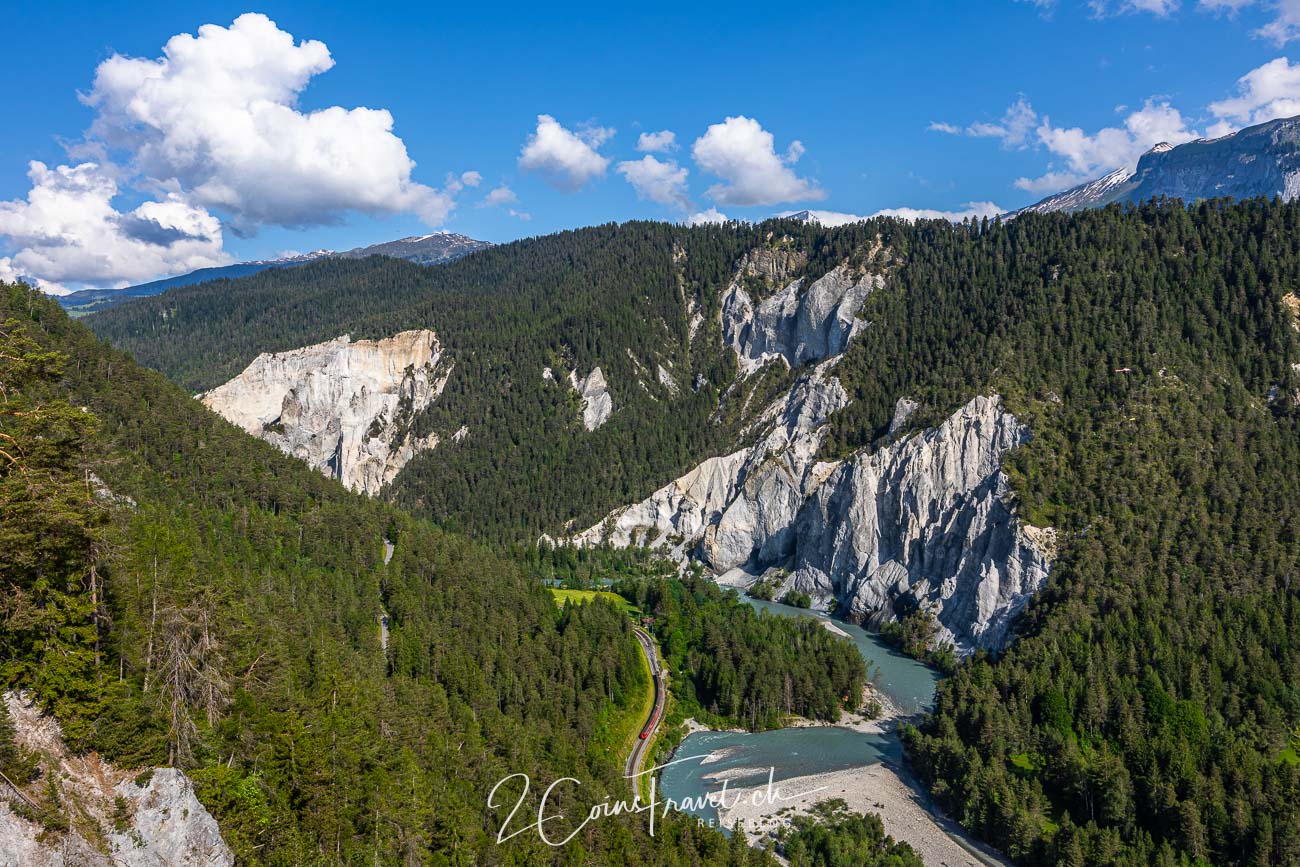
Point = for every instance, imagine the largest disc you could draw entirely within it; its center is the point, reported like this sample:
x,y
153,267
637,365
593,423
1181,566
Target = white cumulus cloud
x,y
701,218
7,272
1266,92
657,142
743,154
1087,155
211,132
217,115
659,181
567,159
968,211
71,234
501,195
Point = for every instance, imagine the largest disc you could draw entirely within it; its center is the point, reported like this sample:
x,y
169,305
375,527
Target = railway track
x,y
633,765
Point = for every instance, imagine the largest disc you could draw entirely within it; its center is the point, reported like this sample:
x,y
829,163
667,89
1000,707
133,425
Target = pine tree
x,y
50,533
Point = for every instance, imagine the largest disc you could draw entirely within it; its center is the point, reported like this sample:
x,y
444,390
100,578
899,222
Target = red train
x,y
659,703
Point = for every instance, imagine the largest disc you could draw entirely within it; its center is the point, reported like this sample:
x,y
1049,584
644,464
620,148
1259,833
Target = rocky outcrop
x,y
924,523
346,408
679,515
597,404
116,817
799,323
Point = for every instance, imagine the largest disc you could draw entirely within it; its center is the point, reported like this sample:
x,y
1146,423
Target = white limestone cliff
x,y
679,514
926,523
122,817
597,404
921,523
344,407
799,323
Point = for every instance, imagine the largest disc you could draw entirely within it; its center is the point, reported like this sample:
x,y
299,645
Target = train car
x,y
659,701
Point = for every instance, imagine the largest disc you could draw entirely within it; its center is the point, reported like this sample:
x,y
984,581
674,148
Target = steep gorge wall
x,y
797,323
344,407
925,522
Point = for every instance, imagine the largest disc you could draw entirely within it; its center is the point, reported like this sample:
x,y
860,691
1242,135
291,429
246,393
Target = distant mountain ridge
x,y
1261,160
431,249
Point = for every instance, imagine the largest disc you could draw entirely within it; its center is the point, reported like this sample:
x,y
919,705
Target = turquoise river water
x,y
745,759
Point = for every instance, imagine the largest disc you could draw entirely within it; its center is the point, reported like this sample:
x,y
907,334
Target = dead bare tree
x,y
190,680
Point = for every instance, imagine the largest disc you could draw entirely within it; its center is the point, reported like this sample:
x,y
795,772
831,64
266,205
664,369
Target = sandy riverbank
x,y
868,789
693,725
885,721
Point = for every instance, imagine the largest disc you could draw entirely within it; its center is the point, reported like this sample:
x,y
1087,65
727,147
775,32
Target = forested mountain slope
x,y
1148,710
621,298
177,591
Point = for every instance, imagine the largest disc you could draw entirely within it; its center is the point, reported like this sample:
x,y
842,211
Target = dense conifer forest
x,y
1148,711
742,667
176,591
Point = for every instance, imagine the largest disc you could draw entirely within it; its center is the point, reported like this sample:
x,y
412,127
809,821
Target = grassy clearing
x,y
581,596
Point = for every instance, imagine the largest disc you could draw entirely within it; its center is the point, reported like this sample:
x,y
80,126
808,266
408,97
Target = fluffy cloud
x,y
712,215
566,158
659,181
657,142
7,272
742,153
1087,155
216,115
210,132
970,210
501,195
1266,92
1285,26
70,233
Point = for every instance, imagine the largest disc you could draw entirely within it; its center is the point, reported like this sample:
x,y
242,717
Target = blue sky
x,y
198,156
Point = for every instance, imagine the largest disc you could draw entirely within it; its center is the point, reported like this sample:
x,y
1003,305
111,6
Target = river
x,y
746,759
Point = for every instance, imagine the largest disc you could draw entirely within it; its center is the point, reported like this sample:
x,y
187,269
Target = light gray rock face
x,y
924,523
346,408
799,323
597,404
902,413
166,825
681,514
